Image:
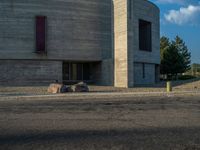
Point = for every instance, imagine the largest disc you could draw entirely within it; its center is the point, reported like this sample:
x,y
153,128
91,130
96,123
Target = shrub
x,y
186,77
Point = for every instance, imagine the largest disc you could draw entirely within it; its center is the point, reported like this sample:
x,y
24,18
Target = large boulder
x,y
81,87
59,88
54,88
66,89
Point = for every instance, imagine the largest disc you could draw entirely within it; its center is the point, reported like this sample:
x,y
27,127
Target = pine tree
x,y
164,43
172,61
184,52
175,57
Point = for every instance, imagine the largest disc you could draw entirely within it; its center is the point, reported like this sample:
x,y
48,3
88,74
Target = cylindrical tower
x,y
37,36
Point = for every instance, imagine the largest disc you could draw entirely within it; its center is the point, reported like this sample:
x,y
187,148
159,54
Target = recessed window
x,y
130,9
76,71
143,71
145,39
40,34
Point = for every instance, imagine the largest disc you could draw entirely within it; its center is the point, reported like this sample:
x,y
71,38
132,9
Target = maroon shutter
x,y
40,34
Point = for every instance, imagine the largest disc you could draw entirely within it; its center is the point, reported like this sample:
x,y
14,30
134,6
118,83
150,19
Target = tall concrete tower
x,y
136,42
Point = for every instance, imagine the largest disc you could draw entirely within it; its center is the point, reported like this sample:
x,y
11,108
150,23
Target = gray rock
x,y
81,87
66,89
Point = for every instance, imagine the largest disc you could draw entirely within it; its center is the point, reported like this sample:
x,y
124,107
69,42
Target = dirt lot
x,y
188,85
129,123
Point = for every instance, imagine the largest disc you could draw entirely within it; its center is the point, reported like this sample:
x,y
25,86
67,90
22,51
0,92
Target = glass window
x,y
145,39
76,71
40,34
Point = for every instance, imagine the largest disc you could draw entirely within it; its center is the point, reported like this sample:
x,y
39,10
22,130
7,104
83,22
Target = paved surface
x,y
112,123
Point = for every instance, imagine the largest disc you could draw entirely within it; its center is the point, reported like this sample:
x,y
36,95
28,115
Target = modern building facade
x,y
107,42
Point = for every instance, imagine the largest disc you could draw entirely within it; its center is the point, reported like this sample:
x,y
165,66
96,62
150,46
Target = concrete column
x,y
120,43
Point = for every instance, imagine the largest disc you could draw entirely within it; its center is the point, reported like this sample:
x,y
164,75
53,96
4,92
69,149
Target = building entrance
x,y
75,72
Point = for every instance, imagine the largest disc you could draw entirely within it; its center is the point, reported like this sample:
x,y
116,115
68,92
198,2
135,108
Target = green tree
x,y
184,52
172,61
175,57
164,43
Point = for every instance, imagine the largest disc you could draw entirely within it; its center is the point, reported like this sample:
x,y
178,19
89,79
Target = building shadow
x,y
120,139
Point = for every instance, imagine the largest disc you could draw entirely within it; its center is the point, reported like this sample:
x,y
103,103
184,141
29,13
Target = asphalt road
x,y
131,123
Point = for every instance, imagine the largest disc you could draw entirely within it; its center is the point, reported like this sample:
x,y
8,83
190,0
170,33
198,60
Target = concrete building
x,y
107,42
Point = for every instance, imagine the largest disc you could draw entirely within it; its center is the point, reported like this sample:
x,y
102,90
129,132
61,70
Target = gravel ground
x,y
124,123
190,85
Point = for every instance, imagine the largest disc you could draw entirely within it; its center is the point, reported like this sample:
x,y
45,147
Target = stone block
x,y
55,88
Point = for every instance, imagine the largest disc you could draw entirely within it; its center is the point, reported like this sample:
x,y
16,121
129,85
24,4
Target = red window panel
x,y
41,34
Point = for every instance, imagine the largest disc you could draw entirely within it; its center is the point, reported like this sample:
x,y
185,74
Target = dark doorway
x,y
75,72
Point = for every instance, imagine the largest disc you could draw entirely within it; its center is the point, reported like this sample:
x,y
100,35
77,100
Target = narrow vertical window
x,y
41,34
86,71
130,9
66,71
145,39
143,71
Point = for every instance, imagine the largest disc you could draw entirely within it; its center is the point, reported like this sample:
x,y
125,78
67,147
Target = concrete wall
x,y
104,32
107,72
126,36
145,10
76,29
149,74
27,72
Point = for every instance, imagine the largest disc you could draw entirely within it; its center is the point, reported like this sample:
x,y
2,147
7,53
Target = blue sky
x,y
182,17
